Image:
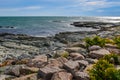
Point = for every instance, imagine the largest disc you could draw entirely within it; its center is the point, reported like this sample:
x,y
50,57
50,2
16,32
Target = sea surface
x,y
47,25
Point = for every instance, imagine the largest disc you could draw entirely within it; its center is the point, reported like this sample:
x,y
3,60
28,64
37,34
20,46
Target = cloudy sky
x,y
59,7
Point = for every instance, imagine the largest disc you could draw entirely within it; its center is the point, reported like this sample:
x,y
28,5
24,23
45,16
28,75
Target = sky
x,y
59,7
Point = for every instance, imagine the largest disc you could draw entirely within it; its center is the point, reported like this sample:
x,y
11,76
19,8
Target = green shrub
x,y
98,70
103,70
112,74
117,41
112,58
95,41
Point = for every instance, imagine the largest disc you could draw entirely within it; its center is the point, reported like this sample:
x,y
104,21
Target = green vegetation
x,y
64,54
95,41
117,41
112,58
104,69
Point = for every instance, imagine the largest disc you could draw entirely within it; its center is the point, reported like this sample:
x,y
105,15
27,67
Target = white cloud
x,y
22,8
89,5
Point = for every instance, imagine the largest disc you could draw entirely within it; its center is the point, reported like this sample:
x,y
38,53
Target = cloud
x,y
21,8
90,5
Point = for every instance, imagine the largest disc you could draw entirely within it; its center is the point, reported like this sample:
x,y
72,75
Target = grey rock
x,y
47,72
62,76
98,53
81,76
71,66
94,47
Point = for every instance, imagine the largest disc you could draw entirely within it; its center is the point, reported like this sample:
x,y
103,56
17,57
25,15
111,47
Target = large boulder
x,y
57,62
94,47
82,64
77,56
71,66
18,70
98,53
38,61
62,76
81,76
48,71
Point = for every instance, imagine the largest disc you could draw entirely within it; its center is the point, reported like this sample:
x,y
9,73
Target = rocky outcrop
x,y
62,76
98,53
96,25
81,76
77,56
48,71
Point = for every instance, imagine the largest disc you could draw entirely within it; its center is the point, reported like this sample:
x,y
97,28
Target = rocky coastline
x,y
60,57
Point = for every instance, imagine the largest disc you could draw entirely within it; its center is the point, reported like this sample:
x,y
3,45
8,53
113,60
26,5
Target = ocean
x,y
47,25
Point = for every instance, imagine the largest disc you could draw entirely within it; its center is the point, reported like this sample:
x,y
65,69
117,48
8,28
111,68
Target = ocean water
x,y
47,25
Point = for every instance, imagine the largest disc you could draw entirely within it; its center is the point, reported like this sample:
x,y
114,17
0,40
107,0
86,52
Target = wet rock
x,y
94,47
81,76
48,71
71,66
98,53
62,76
77,56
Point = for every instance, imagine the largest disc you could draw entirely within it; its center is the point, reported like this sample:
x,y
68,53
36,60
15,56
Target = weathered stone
x,y
98,53
74,49
5,77
13,70
94,47
111,46
38,61
91,61
71,66
62,76
18,70
89,67
27,77
77,56
61,53
82,62
57,62
79,44
48,71
81,76
113,50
